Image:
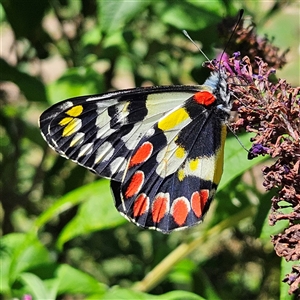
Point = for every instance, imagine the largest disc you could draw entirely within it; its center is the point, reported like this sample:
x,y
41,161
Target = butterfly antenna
x,y
241,12
240,142
188,36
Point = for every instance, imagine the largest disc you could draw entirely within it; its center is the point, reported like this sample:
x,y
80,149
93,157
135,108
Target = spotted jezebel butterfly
x,y
162,147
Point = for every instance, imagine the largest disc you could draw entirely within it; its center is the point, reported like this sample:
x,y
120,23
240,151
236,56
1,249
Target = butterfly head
x,y
217,81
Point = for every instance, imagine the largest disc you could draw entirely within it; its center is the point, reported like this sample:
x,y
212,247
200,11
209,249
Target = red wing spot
x,y
135,184
205,98
141,155
180,210
196,204
204,194
160,207
141,205
198,201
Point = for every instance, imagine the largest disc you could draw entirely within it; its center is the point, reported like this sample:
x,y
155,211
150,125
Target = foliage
x,y
61,233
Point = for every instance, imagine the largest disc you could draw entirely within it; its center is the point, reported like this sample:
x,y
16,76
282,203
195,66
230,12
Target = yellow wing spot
x,y
72,127
194,164
125,107
180,174
65,121
75,111
172,120
220,157
179,153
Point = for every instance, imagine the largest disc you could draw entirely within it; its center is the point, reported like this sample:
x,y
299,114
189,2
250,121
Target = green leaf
x,y
25,16
182,273
73,281
261,217
268,230
235,159
231,187
207,286
5,262
20,252
183,15
113,15
36,287
286,268
178,295
64,280
31,87
97,213
76,81
209,6
120,293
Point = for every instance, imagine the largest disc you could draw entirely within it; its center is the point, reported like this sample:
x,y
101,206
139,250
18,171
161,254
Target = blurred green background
x,y
62,237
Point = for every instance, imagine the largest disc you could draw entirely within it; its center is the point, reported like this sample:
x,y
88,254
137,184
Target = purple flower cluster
x,y
270,108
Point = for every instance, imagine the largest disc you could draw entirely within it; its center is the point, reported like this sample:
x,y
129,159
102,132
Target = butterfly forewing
x,y
100,132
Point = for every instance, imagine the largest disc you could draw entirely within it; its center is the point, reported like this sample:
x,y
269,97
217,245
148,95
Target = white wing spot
x,y
86,149
205,169
66,105
103,123
77,139
150,132
104,152
118,165
168,162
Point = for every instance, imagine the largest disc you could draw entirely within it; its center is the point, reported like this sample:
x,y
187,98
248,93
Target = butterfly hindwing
x,y
174,171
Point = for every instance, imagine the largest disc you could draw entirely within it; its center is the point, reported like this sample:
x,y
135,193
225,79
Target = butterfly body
x,y
161,146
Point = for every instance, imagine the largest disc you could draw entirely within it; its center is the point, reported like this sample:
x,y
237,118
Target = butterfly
x,y
162,147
